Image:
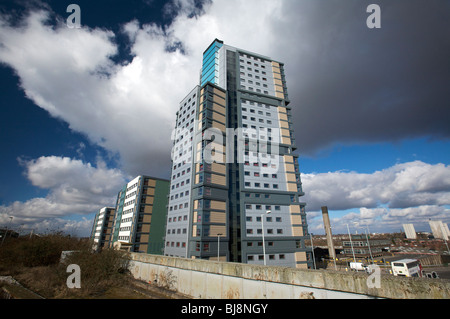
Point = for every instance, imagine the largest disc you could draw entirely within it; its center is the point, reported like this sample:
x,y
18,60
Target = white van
x,y
407,268
358,266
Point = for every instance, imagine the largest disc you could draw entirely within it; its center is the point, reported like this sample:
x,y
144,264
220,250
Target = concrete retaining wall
x,y
224,280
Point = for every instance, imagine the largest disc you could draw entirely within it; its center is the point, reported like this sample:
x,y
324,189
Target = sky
x,y
85,110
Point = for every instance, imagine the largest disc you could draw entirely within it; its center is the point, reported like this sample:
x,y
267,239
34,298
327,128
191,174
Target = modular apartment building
x,y
234,174
140,219
102,228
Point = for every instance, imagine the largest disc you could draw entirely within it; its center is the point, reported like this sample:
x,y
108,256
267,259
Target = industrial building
x,y
360,245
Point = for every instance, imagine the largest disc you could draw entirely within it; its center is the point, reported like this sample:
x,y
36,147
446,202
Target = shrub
x,y
38,251
99,270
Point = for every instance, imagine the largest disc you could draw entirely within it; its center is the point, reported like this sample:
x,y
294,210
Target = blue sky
x,y
85,110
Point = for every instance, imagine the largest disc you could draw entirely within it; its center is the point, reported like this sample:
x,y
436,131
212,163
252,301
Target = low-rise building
x,y
362,246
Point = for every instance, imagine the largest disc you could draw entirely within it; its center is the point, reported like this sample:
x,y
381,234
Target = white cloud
x,y
404,193
130,109
75,188
402,185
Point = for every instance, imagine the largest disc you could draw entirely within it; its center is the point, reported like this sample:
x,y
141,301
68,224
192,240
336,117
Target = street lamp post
x,y
312,249
218,245
351,243
264,244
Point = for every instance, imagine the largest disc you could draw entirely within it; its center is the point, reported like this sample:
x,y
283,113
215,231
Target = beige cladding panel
x,y
288,159
146,228
296,219
219,100
147,219
288,167
196,204
278,82
218,117
279,95
218,108
215,230
284,124
143,247
148,209
292,187
218,125
218,205
282,116
218,168
218,179
294,209
147,200
220,93
281,109
286,140
144,238
151,182
301,266
290,177
297,231
218,217
150,191
300,256
285,132
194,231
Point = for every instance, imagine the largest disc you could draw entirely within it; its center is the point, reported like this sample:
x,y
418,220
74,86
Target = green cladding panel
x,y
159,216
